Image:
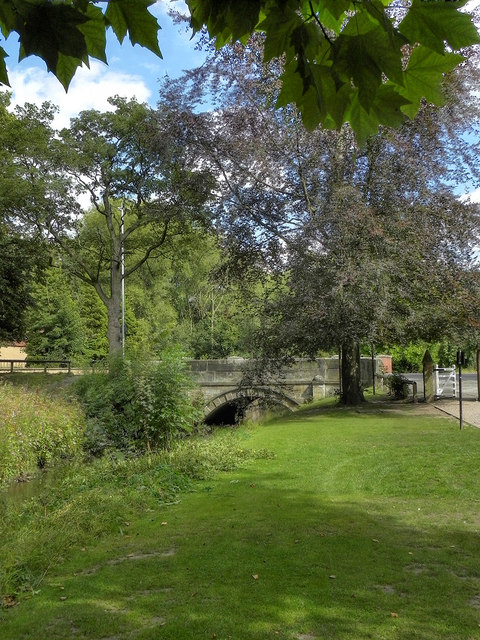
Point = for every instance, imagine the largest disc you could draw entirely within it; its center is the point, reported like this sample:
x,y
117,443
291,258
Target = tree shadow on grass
x,y
252,561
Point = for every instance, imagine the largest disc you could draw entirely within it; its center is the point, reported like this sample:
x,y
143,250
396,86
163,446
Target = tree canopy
x,y
367,62
369,243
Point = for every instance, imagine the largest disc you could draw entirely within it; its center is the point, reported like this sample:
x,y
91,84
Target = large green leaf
x,y
319,102
386,110
423,77
279,25
3,68
94,31
133,17
48,29
335,7
66,68
227,19
437,21
329,21
365,57
8,17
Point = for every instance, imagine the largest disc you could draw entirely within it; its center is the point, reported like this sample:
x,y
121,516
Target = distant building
x,y
13,351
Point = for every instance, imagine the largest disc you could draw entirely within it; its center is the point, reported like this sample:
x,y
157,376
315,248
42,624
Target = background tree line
x,y
242,231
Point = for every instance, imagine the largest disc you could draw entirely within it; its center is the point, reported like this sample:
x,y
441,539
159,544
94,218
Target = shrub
x,y
395,384
138,404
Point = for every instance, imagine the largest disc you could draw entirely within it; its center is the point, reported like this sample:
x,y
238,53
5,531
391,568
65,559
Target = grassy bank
x,y
364,525
38,426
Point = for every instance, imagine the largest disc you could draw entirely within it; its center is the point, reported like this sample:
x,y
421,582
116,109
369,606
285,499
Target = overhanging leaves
x,y
66,34
436,22
132,17
338,52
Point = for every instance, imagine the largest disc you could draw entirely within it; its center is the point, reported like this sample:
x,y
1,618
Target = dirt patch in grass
x,y
131,557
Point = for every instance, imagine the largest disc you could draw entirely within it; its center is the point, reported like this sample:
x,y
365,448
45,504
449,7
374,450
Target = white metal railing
x,y
445,381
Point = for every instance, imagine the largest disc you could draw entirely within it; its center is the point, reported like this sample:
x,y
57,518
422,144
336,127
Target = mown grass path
x,y
365,525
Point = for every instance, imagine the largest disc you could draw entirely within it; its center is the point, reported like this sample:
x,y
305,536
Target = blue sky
x,y
131,71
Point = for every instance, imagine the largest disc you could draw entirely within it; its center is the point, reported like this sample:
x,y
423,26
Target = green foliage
x,y
343,61
201,458
54,325
36,430
138,405
409,358
152,194
94,323
21,263
395,384
66,34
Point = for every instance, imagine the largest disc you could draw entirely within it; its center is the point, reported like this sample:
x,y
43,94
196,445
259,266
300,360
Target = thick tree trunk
x,y
350,374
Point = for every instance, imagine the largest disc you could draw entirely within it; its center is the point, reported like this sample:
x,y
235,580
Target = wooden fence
x,y
34,366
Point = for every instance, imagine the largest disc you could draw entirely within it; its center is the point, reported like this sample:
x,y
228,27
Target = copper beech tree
x,y
367,244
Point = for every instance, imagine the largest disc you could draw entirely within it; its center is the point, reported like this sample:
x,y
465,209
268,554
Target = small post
x,y
122,264
340,370
11,366
460,362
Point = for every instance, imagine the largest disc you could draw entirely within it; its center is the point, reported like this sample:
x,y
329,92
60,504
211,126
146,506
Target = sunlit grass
x,y
363,525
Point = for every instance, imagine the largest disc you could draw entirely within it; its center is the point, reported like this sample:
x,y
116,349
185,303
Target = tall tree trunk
x,y
350,373
114,308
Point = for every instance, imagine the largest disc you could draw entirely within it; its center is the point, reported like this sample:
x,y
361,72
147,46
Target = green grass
x,y
364,525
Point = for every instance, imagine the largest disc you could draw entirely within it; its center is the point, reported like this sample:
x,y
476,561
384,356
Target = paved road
x,y
469,385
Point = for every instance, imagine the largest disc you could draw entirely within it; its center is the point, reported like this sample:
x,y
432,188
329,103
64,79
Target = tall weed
x,y
36,430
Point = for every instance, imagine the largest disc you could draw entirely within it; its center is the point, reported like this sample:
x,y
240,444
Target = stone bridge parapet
x,y
221,382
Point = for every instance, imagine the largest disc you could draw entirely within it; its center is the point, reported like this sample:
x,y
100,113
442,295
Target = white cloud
x,y
89,89
473,196
471,5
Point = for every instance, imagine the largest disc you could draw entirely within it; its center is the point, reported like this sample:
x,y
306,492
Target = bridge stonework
x,y
306,380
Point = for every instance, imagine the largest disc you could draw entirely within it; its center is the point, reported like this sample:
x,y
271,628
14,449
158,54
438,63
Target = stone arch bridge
x,y
227,398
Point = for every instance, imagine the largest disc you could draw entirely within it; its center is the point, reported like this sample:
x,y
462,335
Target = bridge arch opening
x,y
227,414
235,406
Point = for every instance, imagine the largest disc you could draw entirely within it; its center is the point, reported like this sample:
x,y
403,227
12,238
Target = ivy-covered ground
x,y
343,525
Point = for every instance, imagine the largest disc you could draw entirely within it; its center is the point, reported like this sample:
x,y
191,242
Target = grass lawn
x,y
364,525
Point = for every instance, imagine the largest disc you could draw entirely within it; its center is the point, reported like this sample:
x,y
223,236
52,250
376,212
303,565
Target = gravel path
x,y
471,410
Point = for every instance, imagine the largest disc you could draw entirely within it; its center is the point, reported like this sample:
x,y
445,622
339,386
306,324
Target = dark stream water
x,y
19,491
